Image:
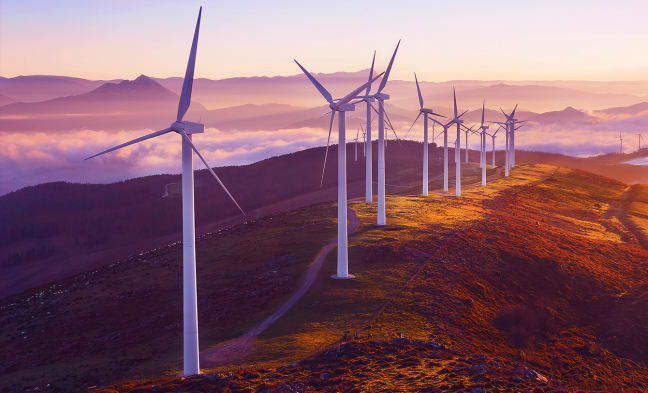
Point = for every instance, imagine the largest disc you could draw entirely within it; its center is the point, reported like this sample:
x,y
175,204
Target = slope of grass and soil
x,y
529,284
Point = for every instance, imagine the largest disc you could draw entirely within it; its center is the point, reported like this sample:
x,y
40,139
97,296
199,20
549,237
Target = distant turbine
x,y
356,144
425,112
342,106
185,129
493,138
639,135
621,142
511,122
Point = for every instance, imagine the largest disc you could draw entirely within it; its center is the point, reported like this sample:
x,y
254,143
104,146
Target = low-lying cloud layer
x,y
32,158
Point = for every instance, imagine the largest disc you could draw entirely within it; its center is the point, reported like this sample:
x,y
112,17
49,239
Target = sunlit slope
x,y
535,272
524,269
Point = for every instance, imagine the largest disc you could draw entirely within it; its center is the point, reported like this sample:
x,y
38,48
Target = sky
x,y
442,40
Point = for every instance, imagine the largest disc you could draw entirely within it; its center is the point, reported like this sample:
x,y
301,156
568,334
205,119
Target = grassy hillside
x,y
54,230
537,274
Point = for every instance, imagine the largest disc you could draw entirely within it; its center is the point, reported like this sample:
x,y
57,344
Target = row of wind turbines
x,y
186,129
348,103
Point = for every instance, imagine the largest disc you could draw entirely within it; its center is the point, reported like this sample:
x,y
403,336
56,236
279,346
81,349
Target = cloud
x,y
33,158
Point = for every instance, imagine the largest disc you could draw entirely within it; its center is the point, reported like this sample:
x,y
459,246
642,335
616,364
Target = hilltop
x,y
536,282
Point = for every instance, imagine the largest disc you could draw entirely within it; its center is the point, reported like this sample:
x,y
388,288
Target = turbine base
x,y
347,277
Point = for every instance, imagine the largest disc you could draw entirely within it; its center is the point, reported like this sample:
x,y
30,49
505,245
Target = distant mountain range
x,y
288,102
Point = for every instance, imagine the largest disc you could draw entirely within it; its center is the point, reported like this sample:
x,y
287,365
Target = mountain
x,y
639,109
567,115
33,88
140,103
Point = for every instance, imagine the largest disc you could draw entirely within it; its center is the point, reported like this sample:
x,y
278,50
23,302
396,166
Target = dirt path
x,y
239,348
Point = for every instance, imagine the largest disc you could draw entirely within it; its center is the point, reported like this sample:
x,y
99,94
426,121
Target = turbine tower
x,y
425,112
341,106
185,129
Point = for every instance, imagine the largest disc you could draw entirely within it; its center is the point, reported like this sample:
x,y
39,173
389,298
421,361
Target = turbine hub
x,y
189,127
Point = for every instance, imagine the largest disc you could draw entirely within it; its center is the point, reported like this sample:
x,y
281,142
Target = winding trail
x,y
239,348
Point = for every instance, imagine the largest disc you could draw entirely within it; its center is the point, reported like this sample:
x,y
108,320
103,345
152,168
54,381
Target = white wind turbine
x,y
368,153
342,106
185,129
458,142
483,129
445,127
381,98
425,112
511,121
493,135
355,144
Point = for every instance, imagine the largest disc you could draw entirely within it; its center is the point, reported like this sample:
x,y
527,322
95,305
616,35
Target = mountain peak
x,y
142,86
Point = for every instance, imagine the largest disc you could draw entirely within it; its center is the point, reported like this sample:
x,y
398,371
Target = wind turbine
x,y
493,138
445,127
185,129
458,142
356,144
364,142
621,142
511,120
368,153
425,112
381,97
342,106
639,135
483,129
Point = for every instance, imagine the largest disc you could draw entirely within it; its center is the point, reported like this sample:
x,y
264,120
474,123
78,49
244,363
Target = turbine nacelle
x,y
344,107
429,111
381,96
189,127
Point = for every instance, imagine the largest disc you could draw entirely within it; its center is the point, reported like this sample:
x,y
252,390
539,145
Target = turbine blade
x,y
142,138
514,109
418,89
187,84
383,82
186,138
464,112
328,141
454,95
483,109
327,96
355,92
371,72
414,122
